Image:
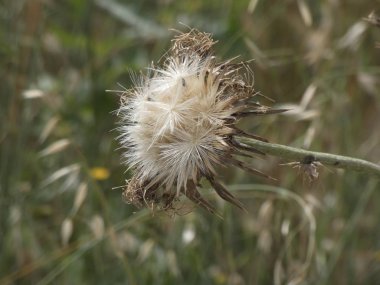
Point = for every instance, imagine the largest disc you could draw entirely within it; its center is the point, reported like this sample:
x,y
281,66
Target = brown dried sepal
x,y
141,196
308,166
193,41
135,194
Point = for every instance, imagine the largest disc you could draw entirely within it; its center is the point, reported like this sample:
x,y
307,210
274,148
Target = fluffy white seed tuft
x,y
179,123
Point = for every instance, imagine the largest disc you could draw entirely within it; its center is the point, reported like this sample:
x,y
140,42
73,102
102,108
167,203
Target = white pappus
x,y
178,123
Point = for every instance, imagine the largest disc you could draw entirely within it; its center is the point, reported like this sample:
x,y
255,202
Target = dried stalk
x,y
297,154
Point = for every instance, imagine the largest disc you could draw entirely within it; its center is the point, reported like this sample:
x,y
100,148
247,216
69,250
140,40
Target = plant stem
x,y
300,155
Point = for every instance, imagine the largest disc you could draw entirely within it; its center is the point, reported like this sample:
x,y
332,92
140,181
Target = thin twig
x,y
296,154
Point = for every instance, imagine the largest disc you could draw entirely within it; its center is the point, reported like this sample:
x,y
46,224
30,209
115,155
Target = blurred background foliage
x,y
60,220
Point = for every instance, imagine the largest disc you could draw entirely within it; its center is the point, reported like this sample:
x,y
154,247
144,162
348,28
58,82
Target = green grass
x,y
60,224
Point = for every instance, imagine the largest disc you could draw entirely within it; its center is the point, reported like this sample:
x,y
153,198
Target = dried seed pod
x,y
179,123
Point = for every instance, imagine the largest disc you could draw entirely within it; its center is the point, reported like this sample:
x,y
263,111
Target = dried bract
x,y
307,166
179,123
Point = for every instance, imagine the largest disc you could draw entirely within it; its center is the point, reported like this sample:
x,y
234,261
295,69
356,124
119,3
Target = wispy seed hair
x,y
179,123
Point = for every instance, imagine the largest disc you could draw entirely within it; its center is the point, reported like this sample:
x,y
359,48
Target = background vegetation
x,y
60,220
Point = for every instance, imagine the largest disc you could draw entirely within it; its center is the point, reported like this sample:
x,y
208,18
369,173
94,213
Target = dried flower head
x,y
179,123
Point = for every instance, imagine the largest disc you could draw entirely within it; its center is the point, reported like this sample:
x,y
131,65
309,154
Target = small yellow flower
x,y
99,173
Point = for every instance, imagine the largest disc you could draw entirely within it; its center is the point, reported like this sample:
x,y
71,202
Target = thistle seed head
x,y
179,123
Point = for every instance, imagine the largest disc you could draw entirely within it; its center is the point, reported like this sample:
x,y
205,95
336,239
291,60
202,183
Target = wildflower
x,y
179,123
99,173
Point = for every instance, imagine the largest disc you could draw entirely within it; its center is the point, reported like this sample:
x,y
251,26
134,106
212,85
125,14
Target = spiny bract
x,y
179,123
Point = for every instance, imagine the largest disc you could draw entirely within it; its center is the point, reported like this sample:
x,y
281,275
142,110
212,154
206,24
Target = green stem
x,y
301,155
